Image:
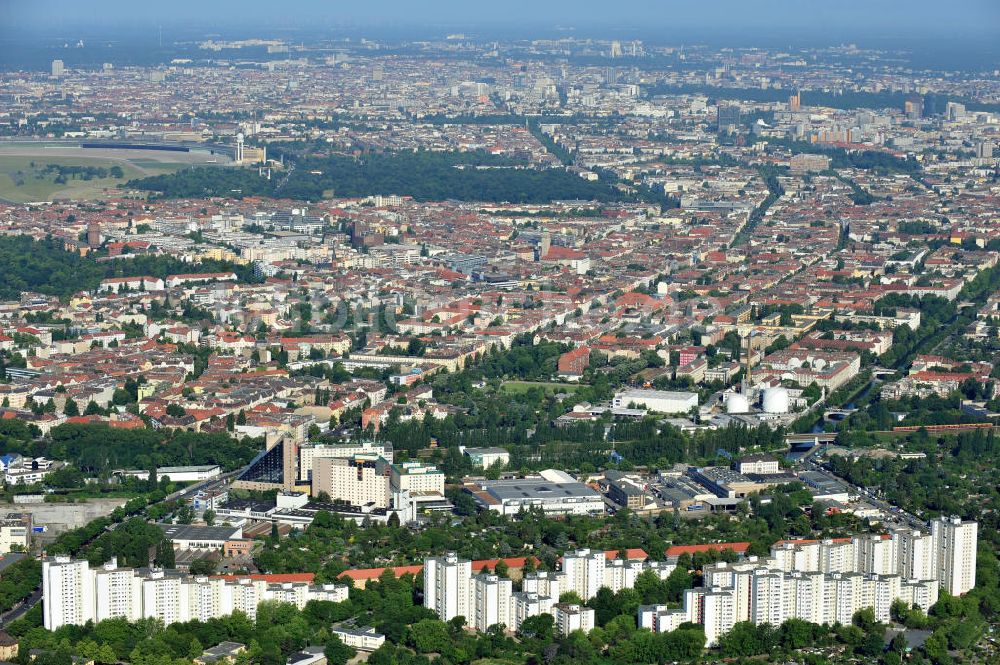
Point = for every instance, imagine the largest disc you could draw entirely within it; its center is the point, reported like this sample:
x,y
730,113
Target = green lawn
x,y
518,387
23,178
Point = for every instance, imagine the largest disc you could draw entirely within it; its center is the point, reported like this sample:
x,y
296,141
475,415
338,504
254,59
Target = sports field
x,y
31,173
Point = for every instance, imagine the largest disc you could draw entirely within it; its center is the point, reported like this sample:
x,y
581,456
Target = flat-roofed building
x,y
360,480
508,497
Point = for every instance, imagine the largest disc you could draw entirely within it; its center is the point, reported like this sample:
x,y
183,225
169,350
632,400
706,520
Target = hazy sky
x,y
893,18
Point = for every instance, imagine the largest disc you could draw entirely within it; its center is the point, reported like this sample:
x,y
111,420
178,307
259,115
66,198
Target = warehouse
x,y
661,401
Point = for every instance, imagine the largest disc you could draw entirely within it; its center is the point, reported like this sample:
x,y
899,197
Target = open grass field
x,y
30,173
518,387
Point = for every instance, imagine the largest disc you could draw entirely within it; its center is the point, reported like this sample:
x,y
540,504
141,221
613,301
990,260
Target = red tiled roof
x,y
677,550
276,578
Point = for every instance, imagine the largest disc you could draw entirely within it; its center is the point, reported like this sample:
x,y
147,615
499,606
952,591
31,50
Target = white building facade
x,y
73,593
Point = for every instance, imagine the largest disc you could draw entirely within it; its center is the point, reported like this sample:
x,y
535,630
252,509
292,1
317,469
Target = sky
x,y
835,18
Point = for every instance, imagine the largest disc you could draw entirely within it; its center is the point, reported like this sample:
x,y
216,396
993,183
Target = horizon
x,y
890,19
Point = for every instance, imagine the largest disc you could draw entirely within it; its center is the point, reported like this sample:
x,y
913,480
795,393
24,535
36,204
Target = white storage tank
x,y
776,400
737,403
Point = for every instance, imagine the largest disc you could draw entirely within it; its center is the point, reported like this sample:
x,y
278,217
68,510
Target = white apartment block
x,y
415,477
309,453
955,553
448,586
492,601
362,639
821,582
569,617
828,581
451,590
528,604
74,593
356,480
767,595
15,532
68,593
542,583
914,554
583,572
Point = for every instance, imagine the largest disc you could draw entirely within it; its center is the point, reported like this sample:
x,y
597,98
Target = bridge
x,y
810,439
836,415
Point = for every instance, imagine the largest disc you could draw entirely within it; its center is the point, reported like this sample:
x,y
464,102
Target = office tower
x,y
492,597
412,477
290,464
447,586
955,553
984,149
616,49
795,102
68,592
58,68
913,107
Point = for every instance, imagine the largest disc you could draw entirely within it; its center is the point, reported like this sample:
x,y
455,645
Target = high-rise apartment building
x,y
914,554
356,480
73,593
492,601
119,591
570,617
447,586
68,592
955,553
583,572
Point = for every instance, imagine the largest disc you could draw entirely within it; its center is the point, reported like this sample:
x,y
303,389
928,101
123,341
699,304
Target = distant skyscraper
x,y
913,107
795,102
94,234
984,150
616,49
729,118
58,68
